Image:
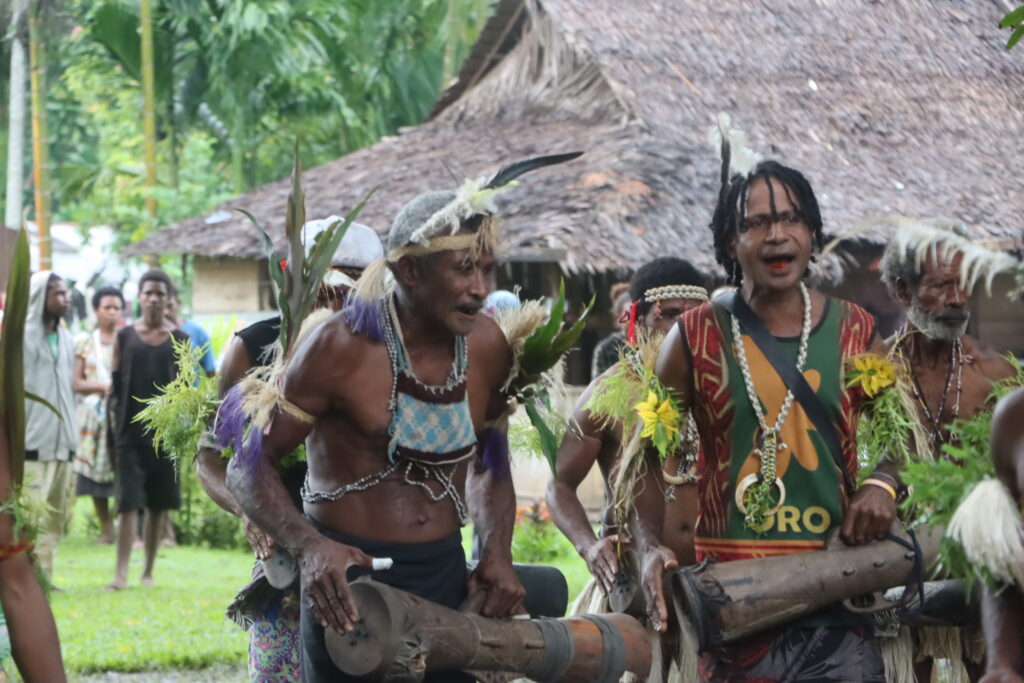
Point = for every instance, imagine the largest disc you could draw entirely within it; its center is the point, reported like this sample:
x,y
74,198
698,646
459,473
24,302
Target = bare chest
x,y
944,394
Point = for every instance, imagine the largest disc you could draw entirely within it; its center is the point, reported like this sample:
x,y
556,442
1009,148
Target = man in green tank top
x,y
768,484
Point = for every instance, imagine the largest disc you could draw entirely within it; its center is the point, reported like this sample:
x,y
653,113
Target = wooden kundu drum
x,y
728,601
400,637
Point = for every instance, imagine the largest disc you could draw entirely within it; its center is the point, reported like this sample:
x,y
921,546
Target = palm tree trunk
x,y
40,143
148,106
148,115
16,120
15,139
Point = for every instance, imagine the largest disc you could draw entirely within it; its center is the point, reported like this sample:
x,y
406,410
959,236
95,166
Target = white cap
x,y
358,248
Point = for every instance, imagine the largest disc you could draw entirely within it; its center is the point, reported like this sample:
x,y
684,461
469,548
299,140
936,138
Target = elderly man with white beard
x,y
951,374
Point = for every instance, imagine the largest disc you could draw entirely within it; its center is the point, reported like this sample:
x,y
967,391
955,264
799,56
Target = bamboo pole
x,y
40,143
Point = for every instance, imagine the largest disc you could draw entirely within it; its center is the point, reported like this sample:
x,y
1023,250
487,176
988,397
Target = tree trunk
x,y
13,204
40,142
148,105
148,115
16,120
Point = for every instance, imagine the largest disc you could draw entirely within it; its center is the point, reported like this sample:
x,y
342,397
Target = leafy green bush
x,y
536,539
201,522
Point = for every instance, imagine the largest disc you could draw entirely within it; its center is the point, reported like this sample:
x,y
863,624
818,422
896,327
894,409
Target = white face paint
x,y
947,325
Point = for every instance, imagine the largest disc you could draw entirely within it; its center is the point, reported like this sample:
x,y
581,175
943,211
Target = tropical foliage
x,y
179,415
1015,22
938,487
236,81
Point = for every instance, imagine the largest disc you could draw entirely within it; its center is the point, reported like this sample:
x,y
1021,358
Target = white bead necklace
x,y
769,444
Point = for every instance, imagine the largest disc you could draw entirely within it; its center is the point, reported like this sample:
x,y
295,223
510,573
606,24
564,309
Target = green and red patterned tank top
x,y
728,428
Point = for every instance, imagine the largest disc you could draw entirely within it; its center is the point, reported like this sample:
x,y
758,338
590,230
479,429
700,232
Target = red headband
x,y
631,330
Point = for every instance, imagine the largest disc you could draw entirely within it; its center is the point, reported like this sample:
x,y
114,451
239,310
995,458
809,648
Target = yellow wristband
x,y
880,484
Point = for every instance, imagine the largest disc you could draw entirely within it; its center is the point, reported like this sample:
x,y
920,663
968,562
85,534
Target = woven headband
x,y
436,244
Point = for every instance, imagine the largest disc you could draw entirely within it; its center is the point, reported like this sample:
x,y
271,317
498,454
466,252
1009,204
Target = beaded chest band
x,y
431,430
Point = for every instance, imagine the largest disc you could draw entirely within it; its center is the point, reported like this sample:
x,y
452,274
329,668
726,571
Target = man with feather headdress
x,y
661,291
392,398
949,375
777,474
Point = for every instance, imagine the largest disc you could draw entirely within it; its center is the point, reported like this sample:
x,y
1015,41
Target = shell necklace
x,y
757,507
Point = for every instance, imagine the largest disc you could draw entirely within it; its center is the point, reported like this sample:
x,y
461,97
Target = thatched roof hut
x,y
896,106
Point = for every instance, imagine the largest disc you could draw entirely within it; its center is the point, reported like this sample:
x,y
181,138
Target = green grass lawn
x,y
176,623
179,622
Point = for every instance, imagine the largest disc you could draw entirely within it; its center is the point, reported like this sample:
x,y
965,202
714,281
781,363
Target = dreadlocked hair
x,y
661,272
731,211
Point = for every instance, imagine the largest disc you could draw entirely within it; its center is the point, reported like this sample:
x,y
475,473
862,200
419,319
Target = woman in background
x,y
93,351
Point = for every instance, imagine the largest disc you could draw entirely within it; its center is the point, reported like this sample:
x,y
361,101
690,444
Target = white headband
x,y
656,294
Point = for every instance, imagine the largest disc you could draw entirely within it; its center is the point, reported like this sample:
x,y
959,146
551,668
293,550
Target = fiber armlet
x,y
298,413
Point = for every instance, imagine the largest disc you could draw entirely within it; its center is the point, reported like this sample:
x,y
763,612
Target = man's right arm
x,y
577,454
648,519
256,484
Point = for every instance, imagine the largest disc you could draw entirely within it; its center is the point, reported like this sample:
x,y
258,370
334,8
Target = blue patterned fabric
x,y
435,428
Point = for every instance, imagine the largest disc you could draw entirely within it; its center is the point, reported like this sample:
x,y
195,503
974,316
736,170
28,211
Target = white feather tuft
x,y
742,159
924,238
470,200
988,526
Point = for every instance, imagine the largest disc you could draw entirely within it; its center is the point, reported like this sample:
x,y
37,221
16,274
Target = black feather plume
x,y
726,162
512,171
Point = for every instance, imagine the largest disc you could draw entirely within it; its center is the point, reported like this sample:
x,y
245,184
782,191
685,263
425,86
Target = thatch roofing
x,y
889,106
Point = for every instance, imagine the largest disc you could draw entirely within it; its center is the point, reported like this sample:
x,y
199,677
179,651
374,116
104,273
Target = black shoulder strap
x,y
795,381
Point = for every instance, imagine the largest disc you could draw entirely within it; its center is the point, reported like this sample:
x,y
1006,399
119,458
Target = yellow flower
x,y
874,373
654,414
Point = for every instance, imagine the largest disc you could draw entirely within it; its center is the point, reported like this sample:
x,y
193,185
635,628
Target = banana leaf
x,y
12,340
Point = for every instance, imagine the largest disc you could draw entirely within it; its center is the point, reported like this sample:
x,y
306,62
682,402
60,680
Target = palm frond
x,y
12,339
